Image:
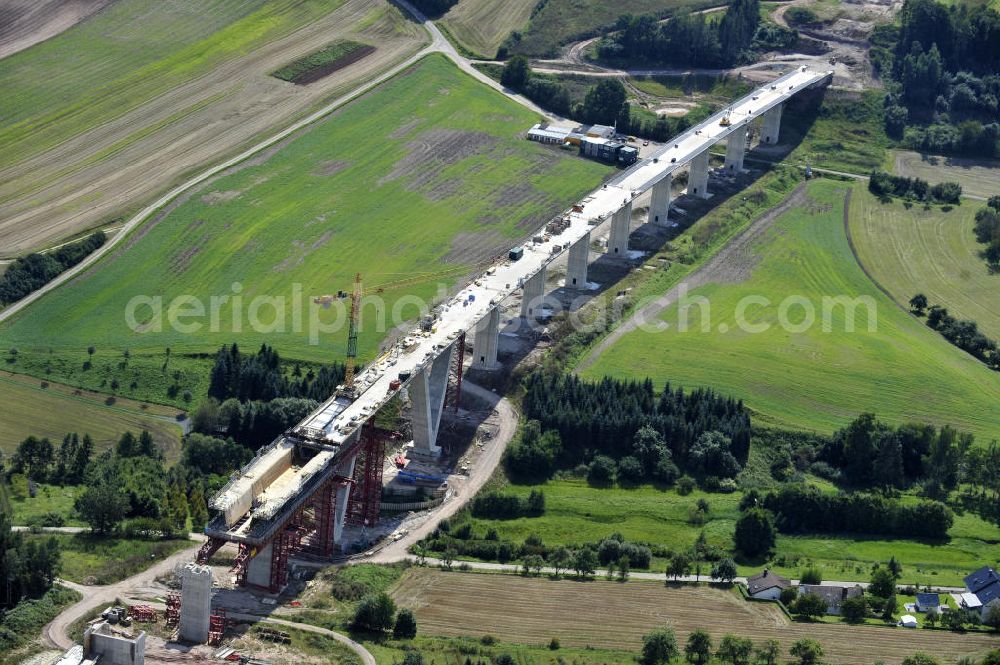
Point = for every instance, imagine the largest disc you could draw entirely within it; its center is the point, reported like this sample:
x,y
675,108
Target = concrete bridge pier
x,y
736,149
698,175
427,393
659,203
484,344
531,294
618,240
771,125
576,267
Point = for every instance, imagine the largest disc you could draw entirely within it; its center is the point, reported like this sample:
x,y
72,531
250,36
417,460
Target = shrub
x,y
375,613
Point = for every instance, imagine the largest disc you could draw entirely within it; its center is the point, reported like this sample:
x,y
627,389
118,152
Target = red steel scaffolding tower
x,y
366,495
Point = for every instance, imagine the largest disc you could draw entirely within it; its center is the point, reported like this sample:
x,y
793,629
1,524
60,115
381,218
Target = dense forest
x,y
26,567
628,429
254,397
696,39
33,271
942,66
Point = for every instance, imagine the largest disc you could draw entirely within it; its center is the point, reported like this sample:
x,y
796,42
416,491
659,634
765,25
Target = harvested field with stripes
x,y
616,615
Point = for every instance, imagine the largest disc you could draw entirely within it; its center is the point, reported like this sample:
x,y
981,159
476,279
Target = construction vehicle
x,y
726,121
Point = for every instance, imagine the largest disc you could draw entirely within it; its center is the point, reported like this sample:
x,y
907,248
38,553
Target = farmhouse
x,y
766,585
927,601
544,133
982,591
833,595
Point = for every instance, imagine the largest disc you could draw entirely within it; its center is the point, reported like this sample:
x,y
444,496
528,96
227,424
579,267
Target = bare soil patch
x,y
331,167
435,150
24,23
217,197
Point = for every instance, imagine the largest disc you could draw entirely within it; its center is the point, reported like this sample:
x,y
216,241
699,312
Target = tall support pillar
x,y
736,148
531,294
346,470
771,125
427,393
659,203
698,176
576,268
618,240
487,339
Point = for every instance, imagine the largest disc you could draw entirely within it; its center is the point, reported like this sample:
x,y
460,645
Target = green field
x,y
576,514
480,26
812,380
725,87
399,183
124,56
978,177
561,21
88,559
927,251
26,510
53,411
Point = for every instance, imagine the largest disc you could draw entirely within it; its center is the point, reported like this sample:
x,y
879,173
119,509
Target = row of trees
x,y
33,271
699,431
40,461
965,334
807,509
494,505
987,232
661,647
886,185
695,39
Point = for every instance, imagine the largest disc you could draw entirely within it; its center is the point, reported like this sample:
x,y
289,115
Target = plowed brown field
x,y
615,615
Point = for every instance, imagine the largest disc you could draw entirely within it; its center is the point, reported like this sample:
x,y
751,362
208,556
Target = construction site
x,y
340,486
316,491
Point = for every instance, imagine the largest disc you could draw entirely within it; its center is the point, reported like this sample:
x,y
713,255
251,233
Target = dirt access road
x,y
844,41
56,632
731,264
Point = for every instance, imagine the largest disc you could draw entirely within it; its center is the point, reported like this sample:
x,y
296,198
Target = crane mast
x,y
352,335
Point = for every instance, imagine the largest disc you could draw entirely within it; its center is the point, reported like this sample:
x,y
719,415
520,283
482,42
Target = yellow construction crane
x,y
357,292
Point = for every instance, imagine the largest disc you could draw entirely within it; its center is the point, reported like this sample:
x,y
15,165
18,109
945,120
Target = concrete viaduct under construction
x,y
298,492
